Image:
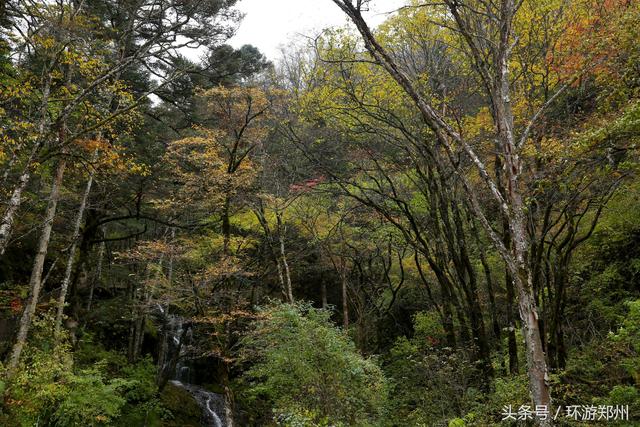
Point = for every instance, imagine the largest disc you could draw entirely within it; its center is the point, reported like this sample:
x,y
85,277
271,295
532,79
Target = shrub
x,y
305,367
90,401
49,389
429,383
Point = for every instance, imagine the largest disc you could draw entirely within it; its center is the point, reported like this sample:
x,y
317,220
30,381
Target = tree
x,y
81,75
489,54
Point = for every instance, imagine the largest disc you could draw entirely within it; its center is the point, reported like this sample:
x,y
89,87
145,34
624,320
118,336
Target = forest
x,y
433,221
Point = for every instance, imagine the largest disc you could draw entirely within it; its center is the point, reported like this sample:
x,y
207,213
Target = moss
x,y
214,388
184,408
151,329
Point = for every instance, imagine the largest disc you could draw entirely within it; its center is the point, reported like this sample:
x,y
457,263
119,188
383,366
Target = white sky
x,y
269,24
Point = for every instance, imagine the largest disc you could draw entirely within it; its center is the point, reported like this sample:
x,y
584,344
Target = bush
x,y
47,392
49,389
429,383
90,401
628,336
306,368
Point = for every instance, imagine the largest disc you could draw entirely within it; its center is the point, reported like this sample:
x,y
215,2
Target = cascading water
x,y
176,345
183,370
211,403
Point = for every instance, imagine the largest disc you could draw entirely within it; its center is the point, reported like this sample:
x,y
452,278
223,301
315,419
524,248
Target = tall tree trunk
x,y
447,315
14,203
536,362
226,225
72,254
98,275
283,258
16,197
537,366
523,275
488,281
259,212
323,293
35,282
345,301
512,344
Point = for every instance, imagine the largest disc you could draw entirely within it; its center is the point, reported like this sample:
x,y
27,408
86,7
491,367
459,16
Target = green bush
x,y
50,389
90,401
46,391
306,368
429,384
628,336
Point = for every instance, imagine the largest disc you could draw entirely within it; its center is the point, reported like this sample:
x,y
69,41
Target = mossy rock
x,y
214,388
182,405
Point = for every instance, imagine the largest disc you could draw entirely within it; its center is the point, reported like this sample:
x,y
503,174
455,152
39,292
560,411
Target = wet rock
x,y
185,409
211,404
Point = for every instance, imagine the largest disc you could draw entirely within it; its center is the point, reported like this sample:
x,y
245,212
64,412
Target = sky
x,y
270,24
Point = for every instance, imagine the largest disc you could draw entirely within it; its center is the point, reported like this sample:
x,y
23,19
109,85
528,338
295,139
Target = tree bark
x,y
323,294
16,197
226,225
14,203
72,254
283,258
98,275
512,344
345,302
537,366
259,212
35,282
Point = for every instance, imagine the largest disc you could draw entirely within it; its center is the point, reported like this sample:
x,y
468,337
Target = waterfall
x,y
211,403
175,346
183,370
216,420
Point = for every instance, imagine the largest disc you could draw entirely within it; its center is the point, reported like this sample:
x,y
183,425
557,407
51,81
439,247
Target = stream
x,y
212,404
